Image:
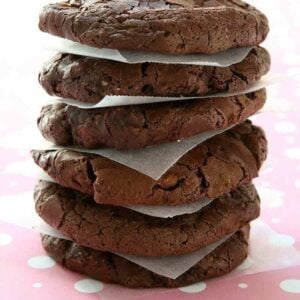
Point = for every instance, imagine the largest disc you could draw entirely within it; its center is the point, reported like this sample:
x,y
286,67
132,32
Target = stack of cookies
x,y
92,201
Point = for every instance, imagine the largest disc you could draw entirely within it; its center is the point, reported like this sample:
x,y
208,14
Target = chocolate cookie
x,y
139,126
111,268
119,229
211,169
90,79
166,26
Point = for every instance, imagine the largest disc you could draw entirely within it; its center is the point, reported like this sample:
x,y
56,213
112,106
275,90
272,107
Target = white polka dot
x,y
41,262
293,153
13,183
271,197
291,139
266,169
37,285
285,127
5,239
287,262
23,152
294,71
246,264
282,240
243,285
254,118
297,183
88,286
281,115
279,104
291,286
194,288
276,202
297,92
275,220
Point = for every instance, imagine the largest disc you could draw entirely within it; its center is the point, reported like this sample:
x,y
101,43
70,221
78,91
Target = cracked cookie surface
x,y
89,79
121,230
139,126
166,26
211,169
108,267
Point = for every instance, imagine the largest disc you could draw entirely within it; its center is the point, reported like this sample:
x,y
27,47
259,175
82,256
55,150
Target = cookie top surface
x,y
174,26
121,230
108,267
89,79
215,167
139,126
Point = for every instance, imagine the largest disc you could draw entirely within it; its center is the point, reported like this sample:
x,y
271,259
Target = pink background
x,y
25,270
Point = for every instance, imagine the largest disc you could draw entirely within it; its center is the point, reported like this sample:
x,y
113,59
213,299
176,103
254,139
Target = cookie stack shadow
x,y
95,202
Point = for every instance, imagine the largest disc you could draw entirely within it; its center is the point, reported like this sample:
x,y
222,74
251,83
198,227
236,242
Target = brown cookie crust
x,y
139,126
168,26
90,79
110,268
121,230
211,169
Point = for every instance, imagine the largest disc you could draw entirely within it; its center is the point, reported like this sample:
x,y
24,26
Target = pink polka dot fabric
x,y
26,272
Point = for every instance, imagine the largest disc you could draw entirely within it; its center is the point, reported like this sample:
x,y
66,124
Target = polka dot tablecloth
x,y
26,272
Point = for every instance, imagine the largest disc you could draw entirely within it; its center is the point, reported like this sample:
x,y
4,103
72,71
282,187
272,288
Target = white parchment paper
x,y
110,101
168,266
173,266
170,211
265,254
152,161
223,59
